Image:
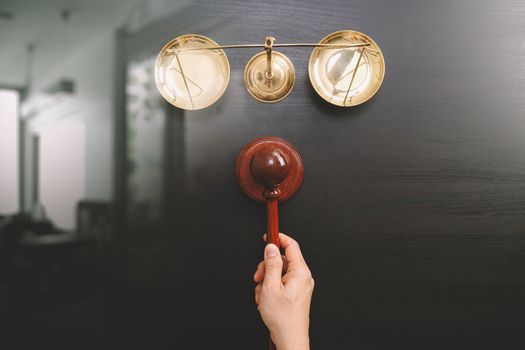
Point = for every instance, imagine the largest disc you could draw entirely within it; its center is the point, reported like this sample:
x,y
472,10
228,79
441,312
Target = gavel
x,y
270,170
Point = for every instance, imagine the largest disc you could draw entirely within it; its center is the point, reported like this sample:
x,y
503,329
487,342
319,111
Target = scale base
x,y
274,89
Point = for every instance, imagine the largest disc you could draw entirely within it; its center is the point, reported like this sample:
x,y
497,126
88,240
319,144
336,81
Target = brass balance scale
x,y
346,69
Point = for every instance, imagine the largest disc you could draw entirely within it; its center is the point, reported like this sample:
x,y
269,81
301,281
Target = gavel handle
x,y
273,222
272,237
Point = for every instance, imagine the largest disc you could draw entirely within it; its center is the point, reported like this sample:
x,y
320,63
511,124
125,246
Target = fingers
x,y
259,273
297,270
285,263
291,250
258,293
258,277
273,266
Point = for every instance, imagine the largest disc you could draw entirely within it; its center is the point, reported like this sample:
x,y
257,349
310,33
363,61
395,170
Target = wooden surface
x,y
412,211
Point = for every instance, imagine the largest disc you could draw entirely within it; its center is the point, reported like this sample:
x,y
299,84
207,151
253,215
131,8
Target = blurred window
x,y
62,159
9,100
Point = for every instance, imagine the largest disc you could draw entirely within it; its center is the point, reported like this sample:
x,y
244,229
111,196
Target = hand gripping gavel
x,y
270,170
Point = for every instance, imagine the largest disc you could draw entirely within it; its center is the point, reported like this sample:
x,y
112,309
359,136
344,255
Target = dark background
x,y
411,215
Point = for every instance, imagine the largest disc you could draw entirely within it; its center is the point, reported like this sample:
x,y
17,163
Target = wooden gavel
x,y
270,170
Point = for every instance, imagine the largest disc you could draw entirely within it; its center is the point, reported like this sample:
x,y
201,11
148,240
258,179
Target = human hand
x,y
284,300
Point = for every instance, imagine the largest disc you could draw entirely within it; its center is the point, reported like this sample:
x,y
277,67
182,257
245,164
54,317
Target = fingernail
x,y
271,251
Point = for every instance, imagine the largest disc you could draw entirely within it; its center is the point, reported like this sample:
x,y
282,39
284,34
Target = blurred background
x,y
121,223
67,160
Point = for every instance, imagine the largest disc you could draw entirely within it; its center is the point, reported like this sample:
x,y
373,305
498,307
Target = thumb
x,y
273,265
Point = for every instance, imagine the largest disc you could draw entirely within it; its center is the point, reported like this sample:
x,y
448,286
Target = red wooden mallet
x,y
270,170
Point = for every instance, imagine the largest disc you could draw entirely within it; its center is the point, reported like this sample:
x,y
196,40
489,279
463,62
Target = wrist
x,y
303,344
293,341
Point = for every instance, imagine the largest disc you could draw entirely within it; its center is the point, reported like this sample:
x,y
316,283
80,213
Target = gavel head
x,y
269,167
